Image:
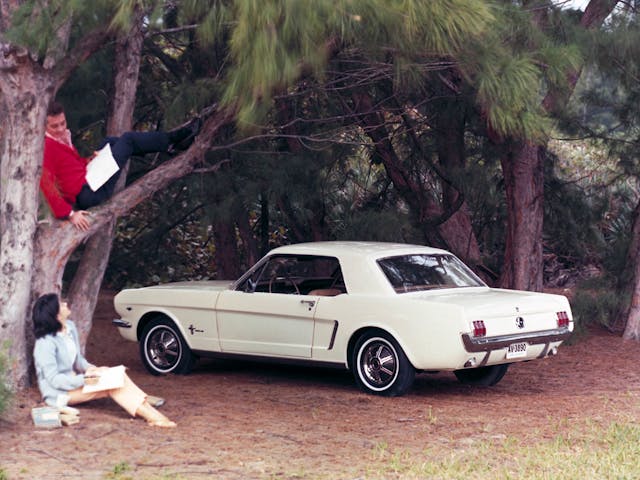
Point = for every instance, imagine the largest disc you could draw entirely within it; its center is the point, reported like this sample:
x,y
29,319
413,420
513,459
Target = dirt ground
x,y
245,420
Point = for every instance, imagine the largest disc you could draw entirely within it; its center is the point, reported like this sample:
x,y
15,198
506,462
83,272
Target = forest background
x,y
504,131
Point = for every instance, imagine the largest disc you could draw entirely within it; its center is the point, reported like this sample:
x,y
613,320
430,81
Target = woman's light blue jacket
x,y
57,371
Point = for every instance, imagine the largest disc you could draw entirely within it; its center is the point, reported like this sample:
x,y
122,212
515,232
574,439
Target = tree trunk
x,y
457,229
524,189
28,82
630,311
18,222
264,224
87,280
227,260
85,286
298,231
26,89
252,251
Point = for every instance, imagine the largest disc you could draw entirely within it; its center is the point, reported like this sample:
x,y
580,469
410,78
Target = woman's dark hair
x,y
45,315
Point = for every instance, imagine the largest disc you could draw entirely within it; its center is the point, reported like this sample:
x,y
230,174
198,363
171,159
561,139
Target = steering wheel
x,y
286,278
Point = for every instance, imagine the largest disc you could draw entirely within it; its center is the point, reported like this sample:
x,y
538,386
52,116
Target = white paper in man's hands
x,y
101,168
111,378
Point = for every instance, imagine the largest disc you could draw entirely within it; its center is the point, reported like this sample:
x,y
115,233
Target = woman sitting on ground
x,y
61,368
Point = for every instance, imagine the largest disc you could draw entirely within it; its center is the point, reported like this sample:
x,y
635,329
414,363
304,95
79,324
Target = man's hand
x,y
80,219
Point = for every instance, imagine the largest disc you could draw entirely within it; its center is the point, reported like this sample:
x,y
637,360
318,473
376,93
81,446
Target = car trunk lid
x,y
504,311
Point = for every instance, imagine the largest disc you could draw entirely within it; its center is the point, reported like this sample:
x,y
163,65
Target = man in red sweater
x,y
63,180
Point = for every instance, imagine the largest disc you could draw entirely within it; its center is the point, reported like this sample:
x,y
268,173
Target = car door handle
x,y
310,303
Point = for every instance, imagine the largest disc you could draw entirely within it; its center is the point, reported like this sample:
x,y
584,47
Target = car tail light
x,y
563,319
479,330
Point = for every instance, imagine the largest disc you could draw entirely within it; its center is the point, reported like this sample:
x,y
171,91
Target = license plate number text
x,y
517,350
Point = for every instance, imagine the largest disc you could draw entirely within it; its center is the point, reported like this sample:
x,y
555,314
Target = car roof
x,y
355,248
358,261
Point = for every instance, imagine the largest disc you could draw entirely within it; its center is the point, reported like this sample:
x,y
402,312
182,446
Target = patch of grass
x,y
3,474
433,419
588,450
119,472
169,476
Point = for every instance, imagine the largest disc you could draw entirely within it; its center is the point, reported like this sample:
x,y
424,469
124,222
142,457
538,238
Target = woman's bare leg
x,y
153,416
130,397
78,396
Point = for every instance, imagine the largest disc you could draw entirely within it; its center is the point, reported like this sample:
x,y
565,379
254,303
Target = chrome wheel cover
x,y
377,364
162,348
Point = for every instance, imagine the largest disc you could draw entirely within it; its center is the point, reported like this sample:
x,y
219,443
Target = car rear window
x,y
410,273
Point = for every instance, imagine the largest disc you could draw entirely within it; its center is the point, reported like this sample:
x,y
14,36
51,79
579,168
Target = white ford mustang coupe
x,y
381,310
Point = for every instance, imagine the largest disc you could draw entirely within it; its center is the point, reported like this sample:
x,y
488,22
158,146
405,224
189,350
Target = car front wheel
x,y
163,350
483,376
380,366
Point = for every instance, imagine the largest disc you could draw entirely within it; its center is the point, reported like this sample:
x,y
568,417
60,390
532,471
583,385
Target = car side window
x,y
297,275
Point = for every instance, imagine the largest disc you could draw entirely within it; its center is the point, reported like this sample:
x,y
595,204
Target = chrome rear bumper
x,y
486,344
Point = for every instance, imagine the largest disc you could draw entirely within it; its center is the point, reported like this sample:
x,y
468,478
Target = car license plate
x,y
517,350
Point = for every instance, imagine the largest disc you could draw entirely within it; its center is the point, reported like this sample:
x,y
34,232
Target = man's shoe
x,y
155,401
182,138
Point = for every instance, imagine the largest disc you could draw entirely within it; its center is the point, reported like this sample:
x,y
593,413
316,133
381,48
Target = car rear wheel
x,y
163,350
483,376
380,366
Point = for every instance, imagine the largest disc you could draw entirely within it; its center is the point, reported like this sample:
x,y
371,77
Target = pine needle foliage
x,y
38,24
571,219
513,67
495,46
617,57
214,18
273,43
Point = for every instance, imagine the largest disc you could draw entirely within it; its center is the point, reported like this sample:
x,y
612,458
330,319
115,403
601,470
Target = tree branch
x,y
90,44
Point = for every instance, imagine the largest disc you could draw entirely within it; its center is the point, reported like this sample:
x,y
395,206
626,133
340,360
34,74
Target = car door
x,y
266,323
269,314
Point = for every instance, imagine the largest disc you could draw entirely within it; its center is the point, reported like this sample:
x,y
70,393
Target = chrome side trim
x,y
333,335
118,322
484,344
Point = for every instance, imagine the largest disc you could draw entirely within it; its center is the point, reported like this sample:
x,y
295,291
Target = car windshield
x,y
410,273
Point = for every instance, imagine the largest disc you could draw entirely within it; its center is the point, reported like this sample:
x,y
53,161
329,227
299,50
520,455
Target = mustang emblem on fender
x,y
520,322
193,329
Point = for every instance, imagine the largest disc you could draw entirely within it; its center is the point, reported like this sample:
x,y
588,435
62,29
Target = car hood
x,y
214,285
